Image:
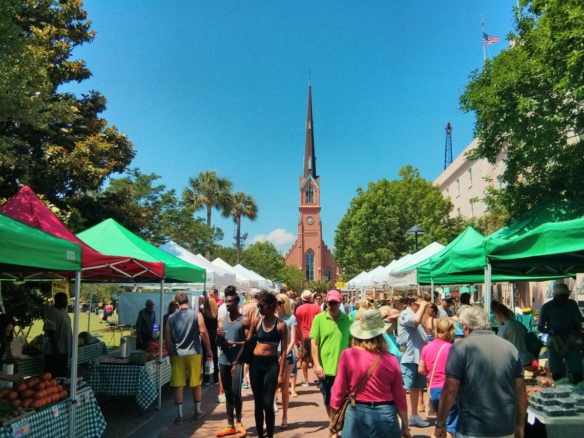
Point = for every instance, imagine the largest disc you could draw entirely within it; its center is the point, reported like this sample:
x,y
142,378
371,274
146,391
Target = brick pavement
x,y
306,417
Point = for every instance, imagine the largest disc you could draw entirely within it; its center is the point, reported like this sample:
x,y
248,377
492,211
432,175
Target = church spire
x,y
309,153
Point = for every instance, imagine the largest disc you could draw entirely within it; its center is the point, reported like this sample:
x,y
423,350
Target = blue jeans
x,y
452,419
365,421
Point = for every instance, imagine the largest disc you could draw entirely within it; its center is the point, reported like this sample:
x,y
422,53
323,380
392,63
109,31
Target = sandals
x,y
284,425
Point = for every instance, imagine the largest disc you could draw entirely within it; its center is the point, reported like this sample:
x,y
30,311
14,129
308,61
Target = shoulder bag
x,y
430,411
338,420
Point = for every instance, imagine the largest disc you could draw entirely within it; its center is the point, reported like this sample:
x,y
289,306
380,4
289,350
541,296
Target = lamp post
x,y
415,230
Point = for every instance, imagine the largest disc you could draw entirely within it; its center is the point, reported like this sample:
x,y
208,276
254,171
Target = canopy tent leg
x,y
513,298
488,295
160,341
74,355
89,311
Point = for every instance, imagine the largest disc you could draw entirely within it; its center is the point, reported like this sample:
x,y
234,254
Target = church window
x,y
309,265
327,274
309,195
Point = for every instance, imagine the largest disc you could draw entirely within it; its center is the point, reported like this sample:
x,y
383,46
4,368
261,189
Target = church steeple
x,y
309,153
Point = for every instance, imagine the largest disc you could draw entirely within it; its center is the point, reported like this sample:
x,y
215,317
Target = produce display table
x,y
558,427
31,366
53,421
140,381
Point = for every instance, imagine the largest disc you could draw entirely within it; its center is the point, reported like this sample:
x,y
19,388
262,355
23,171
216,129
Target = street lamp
x,y
415,230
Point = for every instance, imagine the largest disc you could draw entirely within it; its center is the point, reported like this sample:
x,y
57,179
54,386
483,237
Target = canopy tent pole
x,y
74,355
89,311
160,341
513,298
488,295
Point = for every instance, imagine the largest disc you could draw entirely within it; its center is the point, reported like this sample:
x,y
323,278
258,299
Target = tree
x,y
243,206
55,142
264,259
227,254
208,190
321,286
292,276
373,231
528,103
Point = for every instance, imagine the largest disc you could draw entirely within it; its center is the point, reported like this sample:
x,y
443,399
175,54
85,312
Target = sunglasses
x,y
318,298
261,306
279,303
334,303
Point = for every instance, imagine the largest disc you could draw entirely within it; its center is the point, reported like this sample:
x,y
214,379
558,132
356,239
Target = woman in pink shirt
x,y
382,398
433,364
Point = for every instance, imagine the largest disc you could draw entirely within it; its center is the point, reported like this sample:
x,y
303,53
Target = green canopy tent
x,y
469,259
27,251
111,238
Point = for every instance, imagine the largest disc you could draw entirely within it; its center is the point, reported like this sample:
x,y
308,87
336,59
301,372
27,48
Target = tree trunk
x,y
238,237
208,253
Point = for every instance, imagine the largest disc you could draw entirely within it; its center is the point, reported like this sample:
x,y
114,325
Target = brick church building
x,y
309,252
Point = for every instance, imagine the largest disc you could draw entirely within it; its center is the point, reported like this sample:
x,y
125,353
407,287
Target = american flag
x,y
490,39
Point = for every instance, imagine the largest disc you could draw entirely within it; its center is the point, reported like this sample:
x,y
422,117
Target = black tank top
x,y
271,337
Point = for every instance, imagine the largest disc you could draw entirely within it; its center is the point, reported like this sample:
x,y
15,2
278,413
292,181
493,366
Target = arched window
x,y
327,274
309,265
309,195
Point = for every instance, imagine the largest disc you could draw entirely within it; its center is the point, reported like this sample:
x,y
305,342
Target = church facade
x,y
309,253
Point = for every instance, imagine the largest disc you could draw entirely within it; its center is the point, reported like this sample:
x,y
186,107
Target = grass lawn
x,y
95,328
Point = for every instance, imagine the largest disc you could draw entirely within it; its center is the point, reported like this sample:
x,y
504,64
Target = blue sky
x,y
220,85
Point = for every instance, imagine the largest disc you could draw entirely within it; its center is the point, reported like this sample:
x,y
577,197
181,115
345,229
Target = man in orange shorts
x,y
181,335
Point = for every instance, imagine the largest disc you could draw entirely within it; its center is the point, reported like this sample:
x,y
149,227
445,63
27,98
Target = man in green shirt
x,y
329,336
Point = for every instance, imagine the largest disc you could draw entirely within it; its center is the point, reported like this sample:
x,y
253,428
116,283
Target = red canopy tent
x,y
27,208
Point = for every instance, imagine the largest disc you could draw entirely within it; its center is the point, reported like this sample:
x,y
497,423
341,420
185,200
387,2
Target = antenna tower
x,y
448,149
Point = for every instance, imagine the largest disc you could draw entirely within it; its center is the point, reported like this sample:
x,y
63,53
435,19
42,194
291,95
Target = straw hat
x,y
369,325
306,295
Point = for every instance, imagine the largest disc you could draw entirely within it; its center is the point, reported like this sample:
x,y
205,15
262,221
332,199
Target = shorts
x,y
307,350
186,366
326,385
411,377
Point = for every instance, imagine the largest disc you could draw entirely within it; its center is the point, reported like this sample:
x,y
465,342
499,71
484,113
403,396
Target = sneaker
x,y
199,415
275,407
416,420
244,385
228,430
305,384
316,382
241,430
221,398
178,420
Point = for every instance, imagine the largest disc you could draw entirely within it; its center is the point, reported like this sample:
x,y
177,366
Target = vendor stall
x,y
116,377
53,420
34,365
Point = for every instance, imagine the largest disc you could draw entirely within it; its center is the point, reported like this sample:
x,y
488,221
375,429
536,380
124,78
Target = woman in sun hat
x,y
382,398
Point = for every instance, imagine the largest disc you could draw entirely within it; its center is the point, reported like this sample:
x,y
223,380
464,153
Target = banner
x,y
61,286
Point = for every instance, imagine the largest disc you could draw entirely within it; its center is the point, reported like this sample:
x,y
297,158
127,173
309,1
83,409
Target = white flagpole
x,y
483,39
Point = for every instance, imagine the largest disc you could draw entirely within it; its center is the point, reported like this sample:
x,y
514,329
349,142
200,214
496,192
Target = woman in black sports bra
x,y
265,372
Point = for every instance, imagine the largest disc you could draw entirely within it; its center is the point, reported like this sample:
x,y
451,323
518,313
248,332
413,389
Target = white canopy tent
x,y
404,272
367,279
352,283
262,282
216,276
380,276
241,278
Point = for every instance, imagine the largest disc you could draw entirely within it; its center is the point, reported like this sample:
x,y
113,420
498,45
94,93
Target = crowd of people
x,y
376,355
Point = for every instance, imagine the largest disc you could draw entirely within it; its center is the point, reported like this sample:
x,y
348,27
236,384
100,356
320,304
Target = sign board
x,y
61,286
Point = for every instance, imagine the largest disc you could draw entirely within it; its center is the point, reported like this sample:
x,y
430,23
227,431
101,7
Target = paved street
x,y
306,417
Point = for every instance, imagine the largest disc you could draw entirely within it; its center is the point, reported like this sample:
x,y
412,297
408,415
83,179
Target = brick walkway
x,y
306,416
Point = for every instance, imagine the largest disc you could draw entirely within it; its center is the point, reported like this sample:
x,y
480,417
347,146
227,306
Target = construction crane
x,y
448,149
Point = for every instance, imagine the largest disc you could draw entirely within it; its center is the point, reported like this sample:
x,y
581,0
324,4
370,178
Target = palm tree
x,y
243,206
209,190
